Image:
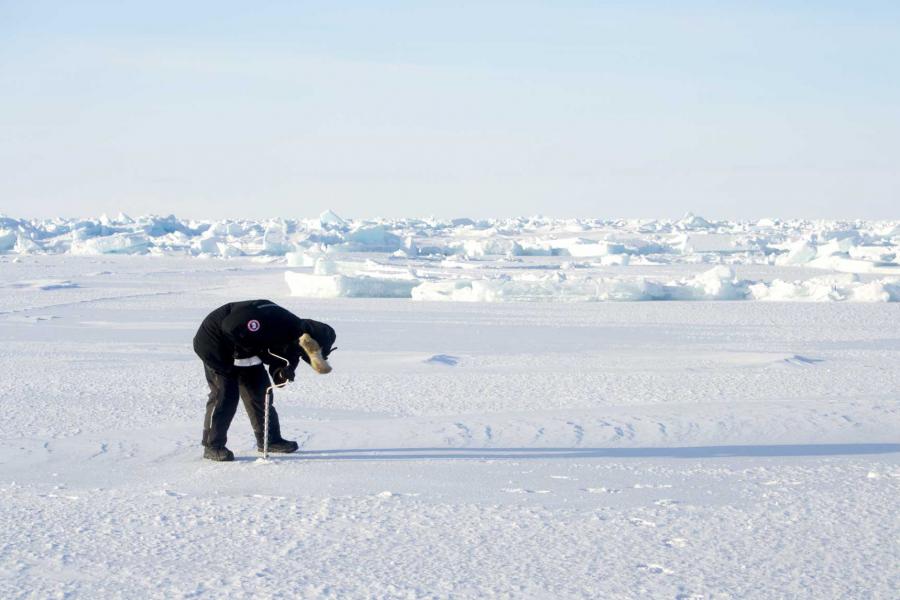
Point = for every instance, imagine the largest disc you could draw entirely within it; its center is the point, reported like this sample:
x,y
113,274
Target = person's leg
x,y
253,384
220,408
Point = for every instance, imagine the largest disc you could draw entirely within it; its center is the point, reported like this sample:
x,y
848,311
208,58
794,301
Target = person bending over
x,y
236,342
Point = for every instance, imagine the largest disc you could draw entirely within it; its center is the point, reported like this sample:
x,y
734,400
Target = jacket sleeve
x,y
290,351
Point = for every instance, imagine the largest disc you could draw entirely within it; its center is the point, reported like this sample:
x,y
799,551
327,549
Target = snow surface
x,y
704,449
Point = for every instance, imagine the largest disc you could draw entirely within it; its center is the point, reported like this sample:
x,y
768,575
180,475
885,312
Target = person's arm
x,y
282,361
270,332
288,354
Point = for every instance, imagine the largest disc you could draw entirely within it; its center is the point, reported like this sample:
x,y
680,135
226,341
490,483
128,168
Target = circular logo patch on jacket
x,y
253,325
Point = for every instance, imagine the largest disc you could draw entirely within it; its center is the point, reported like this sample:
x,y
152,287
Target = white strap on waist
x,y
247,362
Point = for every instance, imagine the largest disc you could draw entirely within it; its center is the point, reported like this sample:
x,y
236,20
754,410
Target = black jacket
x,y
256,328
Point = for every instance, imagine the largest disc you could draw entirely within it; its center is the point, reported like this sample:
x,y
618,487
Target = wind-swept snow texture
x,y
701,449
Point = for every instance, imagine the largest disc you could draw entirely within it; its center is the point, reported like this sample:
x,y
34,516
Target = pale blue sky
x,y
566,108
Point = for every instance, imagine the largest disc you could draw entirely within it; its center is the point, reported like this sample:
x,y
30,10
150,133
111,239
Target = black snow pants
x,y
250,384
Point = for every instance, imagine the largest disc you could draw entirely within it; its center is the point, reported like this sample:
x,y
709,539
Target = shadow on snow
x,y
782,450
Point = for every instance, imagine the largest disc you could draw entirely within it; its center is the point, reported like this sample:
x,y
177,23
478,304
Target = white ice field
x,y
533,438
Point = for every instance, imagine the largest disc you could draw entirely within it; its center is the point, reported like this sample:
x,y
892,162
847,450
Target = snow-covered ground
x,y
705,449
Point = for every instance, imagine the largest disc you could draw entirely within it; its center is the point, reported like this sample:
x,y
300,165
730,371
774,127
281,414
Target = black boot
x,y
280,446
222,454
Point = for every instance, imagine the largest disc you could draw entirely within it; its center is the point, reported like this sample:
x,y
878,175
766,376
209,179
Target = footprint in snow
x,y
675,542
802,361
601,490
31,318
387,494
655,569
667,502
45,284
443,359
63,496
641,522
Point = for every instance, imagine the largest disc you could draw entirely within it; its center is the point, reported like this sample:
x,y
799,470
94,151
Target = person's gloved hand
x,y
281,375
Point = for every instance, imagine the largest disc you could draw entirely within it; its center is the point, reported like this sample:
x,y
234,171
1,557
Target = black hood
x,y
323,334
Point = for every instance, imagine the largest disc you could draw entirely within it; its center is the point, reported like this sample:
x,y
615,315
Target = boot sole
x,y
226,459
